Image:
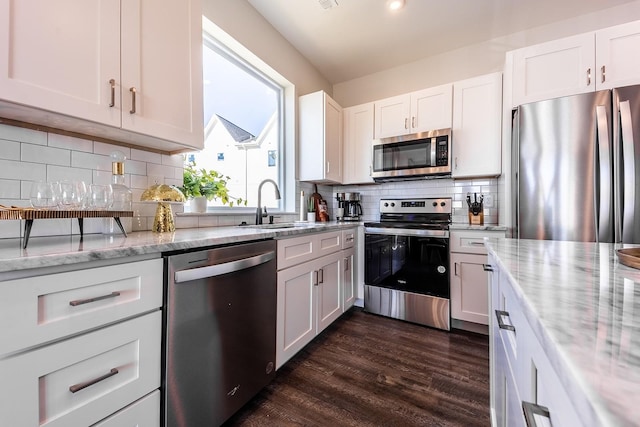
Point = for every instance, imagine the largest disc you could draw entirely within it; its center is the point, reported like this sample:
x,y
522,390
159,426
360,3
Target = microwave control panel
x,y
442,150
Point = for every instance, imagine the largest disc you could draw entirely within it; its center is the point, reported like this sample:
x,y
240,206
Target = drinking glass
x,y
100,197
67,192
43,195
81,194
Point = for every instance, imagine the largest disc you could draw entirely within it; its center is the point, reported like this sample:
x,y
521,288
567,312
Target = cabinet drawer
x,y
328,243
472,242
41,309
297,250
348,238
37,384
143,413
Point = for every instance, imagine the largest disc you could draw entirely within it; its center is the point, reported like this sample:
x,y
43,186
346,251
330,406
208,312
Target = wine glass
x,y
67,191
43,195
100,197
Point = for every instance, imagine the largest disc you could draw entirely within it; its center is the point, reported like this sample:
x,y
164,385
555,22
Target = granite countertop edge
x,y
65,250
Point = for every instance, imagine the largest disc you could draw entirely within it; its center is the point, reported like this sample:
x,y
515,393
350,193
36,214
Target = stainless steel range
x,y
407,261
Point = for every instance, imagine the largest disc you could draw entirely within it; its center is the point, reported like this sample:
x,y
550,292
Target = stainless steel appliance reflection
x,y
349,207
220,331
576,167
407,261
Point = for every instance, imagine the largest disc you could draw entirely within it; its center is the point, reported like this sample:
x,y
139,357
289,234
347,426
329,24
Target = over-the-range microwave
x,y
425,154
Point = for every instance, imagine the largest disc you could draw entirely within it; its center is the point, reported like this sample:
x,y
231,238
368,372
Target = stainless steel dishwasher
x,y
220,344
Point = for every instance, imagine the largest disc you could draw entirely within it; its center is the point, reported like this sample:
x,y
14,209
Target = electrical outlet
x,y
488,200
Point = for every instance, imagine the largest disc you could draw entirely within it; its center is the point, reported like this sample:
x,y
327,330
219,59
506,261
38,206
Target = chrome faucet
x,y
259,212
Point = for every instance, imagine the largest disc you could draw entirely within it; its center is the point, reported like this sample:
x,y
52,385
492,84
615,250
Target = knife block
x,y
477,219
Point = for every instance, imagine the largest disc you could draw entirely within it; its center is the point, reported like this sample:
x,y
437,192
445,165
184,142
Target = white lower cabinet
x,y
79,346
143,413
522,377
82,380
312,272
469,294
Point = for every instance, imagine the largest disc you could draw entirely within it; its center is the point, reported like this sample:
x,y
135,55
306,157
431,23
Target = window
x,y
243,116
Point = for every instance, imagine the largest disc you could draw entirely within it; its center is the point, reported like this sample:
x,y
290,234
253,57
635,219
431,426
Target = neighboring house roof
x,y
238,134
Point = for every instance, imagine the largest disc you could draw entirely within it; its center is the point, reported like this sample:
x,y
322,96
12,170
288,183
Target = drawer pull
x,y
80,386
112,84
133,100
501,324
531,409
94,299
487,267
476,243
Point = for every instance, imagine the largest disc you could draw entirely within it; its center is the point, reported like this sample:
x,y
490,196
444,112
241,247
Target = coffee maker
x,y
349,207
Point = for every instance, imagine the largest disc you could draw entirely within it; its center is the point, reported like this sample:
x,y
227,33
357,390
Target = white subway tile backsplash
x,y
106,149
48,155
135,167
101,177
84,160
161,170
10,229
22,170
138,182
146,156
9,150
177,160
17,134
70,143
10,189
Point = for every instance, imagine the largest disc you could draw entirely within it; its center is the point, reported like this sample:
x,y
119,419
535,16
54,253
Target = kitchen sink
x,y
272,226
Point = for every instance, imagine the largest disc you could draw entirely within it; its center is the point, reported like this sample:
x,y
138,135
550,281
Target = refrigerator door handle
x,y
628,201
604,233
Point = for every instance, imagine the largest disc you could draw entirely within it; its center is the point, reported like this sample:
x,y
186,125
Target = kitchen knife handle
x,y
588,76
133,100
603,73
531,409
112,83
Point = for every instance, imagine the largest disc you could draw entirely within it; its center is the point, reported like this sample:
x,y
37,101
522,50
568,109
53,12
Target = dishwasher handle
x,y
224,268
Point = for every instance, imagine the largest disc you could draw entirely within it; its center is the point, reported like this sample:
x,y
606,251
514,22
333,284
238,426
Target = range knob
x,y
386,205
442,204
393,204
435,204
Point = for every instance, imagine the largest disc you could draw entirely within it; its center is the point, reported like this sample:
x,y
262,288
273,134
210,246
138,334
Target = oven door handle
x,y
406,232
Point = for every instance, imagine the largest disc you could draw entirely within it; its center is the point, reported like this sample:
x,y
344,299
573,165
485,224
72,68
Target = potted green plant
x,y
201,185
311,210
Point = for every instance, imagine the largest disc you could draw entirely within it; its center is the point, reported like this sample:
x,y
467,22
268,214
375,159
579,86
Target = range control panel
x,y
439,205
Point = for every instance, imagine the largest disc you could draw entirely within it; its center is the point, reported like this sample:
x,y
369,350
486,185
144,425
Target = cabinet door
x,y
616,56
60,56
392,116
296,310
162,62
333,140
431,109
348,279
357,144
143,413
477,127
554,69
329,294
469,292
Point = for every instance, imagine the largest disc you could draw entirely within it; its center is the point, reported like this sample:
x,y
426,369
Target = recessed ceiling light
x,y
395,4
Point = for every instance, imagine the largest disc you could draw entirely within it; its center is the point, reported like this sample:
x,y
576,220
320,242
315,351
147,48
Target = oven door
x,y
410,263
414,155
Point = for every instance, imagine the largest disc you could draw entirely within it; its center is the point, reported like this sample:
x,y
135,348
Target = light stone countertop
x,y
65,250
584,308
465,226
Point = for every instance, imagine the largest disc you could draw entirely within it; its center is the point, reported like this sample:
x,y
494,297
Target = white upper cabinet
x,y
587,62
476,133
320,154
419,111
87,59
617,59
554,69
357,144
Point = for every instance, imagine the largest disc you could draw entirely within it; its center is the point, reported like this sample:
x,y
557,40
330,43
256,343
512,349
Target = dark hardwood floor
x,y
366,370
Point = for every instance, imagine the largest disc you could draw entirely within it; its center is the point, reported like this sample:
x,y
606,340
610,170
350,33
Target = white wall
x,y
478,59
242,22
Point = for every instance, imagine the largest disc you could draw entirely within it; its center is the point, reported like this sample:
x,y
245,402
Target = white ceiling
x,y
360,37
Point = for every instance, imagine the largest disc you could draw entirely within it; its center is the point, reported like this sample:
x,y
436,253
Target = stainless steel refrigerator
x,y
577,167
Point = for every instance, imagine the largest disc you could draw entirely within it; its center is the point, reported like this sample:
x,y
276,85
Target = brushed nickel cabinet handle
x,y
476,243
455,268
315,278
413,121
94,299
603,70
501,324
487,267
531,409
80,386
133,100
588,76
112,83
405,123
321,276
